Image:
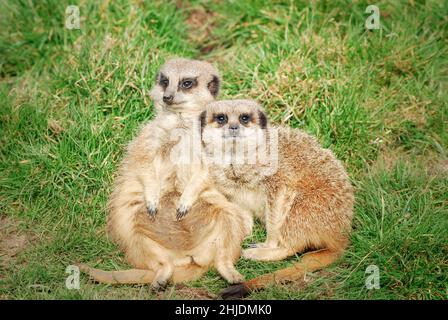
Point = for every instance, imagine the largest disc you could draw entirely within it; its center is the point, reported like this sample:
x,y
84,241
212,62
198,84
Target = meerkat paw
x,y
229,273
259,245
233,277
251,254
151,208
158,285
182,210
259,254
162,277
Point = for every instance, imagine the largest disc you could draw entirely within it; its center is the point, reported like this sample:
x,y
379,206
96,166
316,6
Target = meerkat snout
x,y
185,85
168,99
234,129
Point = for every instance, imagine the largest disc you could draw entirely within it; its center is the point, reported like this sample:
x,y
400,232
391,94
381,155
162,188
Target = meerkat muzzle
x,y
234,130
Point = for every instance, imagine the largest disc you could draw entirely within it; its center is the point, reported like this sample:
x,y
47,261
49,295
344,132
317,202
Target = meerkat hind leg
x,y
228,271
267,254
162,276
275,218
216,198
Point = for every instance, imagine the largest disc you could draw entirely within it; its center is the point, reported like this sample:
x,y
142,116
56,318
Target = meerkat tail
x,y
131,276
310,262
140,276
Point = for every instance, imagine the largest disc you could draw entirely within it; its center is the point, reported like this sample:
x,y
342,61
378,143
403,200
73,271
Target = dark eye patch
x,y
188,83
263,121
203,118
163,80
220,118
213,86
245,118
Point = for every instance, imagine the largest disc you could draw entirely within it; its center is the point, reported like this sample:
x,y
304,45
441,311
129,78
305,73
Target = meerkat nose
x,y
168,99
234,130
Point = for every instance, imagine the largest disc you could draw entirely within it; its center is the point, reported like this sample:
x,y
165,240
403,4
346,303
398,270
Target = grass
x,y
72,99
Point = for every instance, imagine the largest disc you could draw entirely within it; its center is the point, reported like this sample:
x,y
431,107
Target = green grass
x,y
72,99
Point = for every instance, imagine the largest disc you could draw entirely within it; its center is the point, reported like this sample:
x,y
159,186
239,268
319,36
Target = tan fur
x,y
308,201
143,204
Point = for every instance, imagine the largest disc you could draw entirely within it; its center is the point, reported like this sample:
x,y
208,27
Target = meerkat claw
x,y
152,211
258,245
181,212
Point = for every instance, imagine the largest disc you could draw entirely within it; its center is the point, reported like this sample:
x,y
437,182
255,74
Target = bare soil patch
x,y
12,241
201,23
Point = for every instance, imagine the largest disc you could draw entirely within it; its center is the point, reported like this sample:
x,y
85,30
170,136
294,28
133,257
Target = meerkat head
x,y
232,126
185,85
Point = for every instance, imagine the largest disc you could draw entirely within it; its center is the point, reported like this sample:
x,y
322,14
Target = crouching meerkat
x,y
306,201
148,190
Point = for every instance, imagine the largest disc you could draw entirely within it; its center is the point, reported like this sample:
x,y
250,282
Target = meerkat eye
x,y
164,81
187,84
245,118
221,118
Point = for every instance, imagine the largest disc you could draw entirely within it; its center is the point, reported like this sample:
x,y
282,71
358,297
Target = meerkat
x,y
306,202
146,193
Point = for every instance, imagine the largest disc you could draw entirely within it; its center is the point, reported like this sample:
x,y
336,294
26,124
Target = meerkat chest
x,y
243,186
253,200
185,156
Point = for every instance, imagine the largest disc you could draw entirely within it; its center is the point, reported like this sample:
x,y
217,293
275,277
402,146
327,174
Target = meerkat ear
x,y
213,86
263,120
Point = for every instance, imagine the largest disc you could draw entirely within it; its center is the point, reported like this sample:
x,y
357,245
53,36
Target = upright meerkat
x,y
146,190
306,203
